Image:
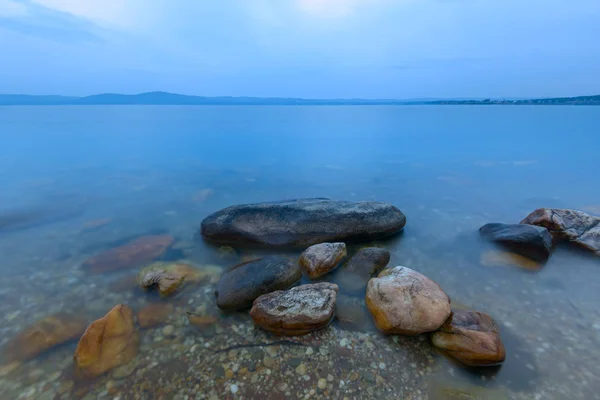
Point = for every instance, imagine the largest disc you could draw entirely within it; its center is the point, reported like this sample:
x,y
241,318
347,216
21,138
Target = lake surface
x,y
77,181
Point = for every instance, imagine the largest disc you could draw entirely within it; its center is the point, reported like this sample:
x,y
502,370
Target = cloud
x,y
115,13
333,8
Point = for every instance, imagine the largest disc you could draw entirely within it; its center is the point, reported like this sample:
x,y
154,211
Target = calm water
x,y
145,170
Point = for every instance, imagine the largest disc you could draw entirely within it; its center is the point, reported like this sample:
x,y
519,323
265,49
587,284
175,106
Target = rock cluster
x,y
568,225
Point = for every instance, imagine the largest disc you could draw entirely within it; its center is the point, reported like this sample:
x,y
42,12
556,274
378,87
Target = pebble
x,y
309,351
382,365
323,351
322,384
268,362
168,330
254,379
272,351
344,342
301,369
330,378
234,388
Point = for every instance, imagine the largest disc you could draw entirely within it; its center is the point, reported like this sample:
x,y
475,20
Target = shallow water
x,y
79,180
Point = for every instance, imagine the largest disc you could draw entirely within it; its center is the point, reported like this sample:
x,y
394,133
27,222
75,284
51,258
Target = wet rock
x,y
494,258
130,255
405,302
570,225
201,321
351,312
167,278
241,284
302,222
471,337
297,311
321,258
107,343
154,315
46,333
531,241
366,263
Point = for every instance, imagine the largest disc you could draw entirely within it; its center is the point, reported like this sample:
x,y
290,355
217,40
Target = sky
x,y
302,48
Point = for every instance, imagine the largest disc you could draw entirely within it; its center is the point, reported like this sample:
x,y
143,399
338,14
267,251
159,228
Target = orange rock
x,y
493,258
41,336
169,277
154,314
107,343
201,321
132,254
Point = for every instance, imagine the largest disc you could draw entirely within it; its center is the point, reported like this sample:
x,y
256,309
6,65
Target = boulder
x,y
297,311
107,343
133,254
471,337
405,302
531,241
571,225
43,335
242,283
167,278
366,263
302,222
154,314
321,258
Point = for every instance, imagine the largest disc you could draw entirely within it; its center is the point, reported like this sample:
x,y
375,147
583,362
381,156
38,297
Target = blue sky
x,y
302,48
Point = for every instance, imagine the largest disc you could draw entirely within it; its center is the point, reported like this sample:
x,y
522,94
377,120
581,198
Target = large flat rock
x,y
302,222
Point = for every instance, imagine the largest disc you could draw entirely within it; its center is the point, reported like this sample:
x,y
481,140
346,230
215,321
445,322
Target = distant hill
x,y
164,98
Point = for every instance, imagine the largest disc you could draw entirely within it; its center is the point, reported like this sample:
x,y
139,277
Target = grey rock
x,y
531,241
366,263
241,284
302,222
297,311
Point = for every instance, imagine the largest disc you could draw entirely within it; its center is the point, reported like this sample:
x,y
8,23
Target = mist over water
x,y
80,180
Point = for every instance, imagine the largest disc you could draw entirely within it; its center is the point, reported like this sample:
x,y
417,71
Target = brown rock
x,y
321,258
571,225
366,263
168,278
201,321
43,335
107,343
154,314
130,255
494,258
405,302
472,338
296,311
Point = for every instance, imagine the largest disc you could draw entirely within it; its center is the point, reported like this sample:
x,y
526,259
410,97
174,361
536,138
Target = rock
x,y
321,258
471,337
351,312
169,277
46,333
154,315
297,311
107,343
574,226
201,321
366,263
405,302
242,283
130,255
531,241
494,258
302,222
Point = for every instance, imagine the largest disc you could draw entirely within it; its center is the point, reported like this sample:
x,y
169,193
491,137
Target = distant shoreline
x,y
164,98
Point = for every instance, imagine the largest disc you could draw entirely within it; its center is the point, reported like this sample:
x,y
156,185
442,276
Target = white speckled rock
x,y
405,302
321,258
297,311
